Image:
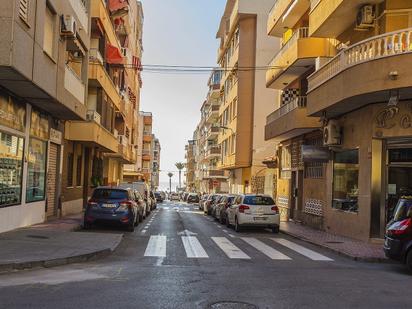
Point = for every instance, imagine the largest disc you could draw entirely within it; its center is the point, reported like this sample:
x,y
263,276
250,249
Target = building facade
x,y
244,99
191,166
156,163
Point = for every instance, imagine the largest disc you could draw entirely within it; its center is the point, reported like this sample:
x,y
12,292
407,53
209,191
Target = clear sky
x,y
177,32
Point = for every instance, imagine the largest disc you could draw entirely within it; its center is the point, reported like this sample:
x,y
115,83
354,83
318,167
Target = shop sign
x,y
55,136
12,114
387,118
311,153
39,125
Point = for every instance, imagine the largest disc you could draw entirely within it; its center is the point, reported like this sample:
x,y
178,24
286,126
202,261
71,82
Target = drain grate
x,y
38,236
232,305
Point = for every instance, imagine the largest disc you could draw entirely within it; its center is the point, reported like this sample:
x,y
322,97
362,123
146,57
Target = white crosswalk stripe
x,y
301,250
156,246
229,248
265,249
193,247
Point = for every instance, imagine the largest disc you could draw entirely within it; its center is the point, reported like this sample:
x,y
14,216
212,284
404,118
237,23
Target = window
x,y
24,10
49,25
11,169
286,162
110,194
258,200
345,180
79,171
70,170
36,170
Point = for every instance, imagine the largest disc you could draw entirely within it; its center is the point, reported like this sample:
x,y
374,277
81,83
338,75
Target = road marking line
x,y
225,231
156,246
231,235
301,250
229,248
265,249
144,231
193,247
186,208
167,208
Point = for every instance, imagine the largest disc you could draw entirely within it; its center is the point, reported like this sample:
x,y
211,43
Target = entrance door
x,y
296,194
52,181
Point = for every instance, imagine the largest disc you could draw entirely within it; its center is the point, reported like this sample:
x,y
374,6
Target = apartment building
x,y
363,97
208,152
288,125
40,88
95,150
190,166
244,100
156,163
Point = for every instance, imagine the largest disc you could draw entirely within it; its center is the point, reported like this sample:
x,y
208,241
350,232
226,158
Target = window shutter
x,y
24,10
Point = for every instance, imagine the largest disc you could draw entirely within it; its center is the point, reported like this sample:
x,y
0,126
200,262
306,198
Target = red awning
x,y
115,5
113,55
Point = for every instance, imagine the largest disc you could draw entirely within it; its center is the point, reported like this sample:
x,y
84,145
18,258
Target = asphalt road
x,y
179,258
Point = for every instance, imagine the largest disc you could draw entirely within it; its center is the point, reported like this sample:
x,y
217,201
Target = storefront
x,y
24,134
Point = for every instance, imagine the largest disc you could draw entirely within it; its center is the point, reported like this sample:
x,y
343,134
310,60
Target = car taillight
x,y
242,208
126,204
92,203
400,227
275,209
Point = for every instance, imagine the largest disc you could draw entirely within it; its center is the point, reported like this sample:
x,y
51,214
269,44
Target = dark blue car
x,y
398,238
112,206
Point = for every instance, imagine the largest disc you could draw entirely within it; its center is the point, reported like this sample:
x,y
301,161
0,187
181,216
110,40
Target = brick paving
x,y
355,249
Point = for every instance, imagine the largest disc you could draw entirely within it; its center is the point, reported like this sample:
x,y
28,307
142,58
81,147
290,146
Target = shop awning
x,y
113,55
115,5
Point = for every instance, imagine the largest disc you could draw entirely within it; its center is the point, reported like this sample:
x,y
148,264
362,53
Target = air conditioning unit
x,y
68,25
366,17
93,116
332,135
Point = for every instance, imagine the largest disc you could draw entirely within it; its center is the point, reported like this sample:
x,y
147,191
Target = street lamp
x,y
227,128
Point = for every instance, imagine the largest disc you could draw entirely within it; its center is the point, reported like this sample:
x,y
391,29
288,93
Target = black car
x,y
112,206
398,238
159,197
193,198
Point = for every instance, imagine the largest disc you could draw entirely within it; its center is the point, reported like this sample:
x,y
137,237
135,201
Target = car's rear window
x,y
111,194
402,209
258,200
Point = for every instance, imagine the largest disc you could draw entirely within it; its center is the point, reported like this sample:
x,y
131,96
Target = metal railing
x,y
298,102
381,46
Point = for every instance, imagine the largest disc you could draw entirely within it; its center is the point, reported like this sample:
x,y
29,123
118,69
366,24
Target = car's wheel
x,y
275,229
409,260
87,226
227,221
238,228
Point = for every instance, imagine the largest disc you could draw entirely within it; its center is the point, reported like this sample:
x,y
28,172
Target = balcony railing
x,y
95,55
386,45
298,102
74,85
298,34
79,7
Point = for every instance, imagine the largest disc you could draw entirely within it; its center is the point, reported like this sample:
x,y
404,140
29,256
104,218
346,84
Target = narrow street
x,y
180,258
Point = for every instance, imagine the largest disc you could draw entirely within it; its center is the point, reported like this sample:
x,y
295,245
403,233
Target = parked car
x,y
114,206
202,201
184,196
174,196
209,203
225,202
214,204
153,200
253,210
159,197
143,189
193,198
163,195
398,238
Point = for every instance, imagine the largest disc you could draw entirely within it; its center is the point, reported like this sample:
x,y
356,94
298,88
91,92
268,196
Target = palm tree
x,y
170,181
180,166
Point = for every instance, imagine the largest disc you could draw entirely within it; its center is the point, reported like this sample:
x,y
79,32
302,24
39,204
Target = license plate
x,y
109,205
259,218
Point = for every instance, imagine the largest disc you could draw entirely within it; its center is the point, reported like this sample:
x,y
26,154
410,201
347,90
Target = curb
x,y
347,255
59,261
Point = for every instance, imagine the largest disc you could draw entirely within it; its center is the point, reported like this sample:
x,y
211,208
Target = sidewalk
x,y
52,244
354,249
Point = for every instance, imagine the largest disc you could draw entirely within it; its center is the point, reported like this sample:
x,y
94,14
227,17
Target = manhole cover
x,y
334,242
232,305
37,236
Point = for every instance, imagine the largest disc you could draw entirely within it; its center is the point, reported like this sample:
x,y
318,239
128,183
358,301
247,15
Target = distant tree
x,y
180,166
170,181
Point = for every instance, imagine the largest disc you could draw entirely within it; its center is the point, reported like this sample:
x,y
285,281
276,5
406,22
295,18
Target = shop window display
x,y
345,180
36,170
11,169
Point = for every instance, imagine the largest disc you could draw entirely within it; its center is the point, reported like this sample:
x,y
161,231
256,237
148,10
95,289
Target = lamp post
x,y
170,181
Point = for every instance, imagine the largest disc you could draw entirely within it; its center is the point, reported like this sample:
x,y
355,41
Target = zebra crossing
x,y
157,247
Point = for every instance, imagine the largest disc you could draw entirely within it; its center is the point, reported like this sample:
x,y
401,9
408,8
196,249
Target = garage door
x,y
51,180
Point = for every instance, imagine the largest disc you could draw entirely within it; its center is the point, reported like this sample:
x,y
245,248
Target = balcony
x,y
329,18
285,14
360,75
213,114
213,133
92,134
147,138
289,121
98,77
296,57
214,174
99,11
213,152
79,7
74,85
